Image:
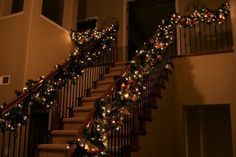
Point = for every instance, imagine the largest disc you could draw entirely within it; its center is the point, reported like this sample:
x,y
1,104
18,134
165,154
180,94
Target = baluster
x,y
216,37
3,141
205,35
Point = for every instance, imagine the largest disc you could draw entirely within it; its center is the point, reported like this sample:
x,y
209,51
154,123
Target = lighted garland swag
x,y
46,95
127,90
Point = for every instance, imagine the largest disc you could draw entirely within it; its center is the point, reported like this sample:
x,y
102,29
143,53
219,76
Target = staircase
x,y
80,116
51,114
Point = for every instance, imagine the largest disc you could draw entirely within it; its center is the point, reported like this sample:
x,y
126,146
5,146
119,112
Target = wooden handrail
x,y
53,73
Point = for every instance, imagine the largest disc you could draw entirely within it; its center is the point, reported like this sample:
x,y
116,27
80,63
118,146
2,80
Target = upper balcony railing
x,y
205,38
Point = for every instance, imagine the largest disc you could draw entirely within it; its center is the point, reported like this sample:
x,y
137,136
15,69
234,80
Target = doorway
x,y
208,131
144,17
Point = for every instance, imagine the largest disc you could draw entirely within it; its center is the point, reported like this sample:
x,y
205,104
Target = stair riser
x,y
52,153
62,139
100,94
89,103
72,126
80,114
105,86
117,70
110,76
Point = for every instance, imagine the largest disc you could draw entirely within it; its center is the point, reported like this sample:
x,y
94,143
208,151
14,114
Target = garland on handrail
x,y
129,88
43,92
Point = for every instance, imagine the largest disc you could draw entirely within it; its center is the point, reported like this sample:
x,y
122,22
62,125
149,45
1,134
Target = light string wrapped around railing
x,y
42,93
129,87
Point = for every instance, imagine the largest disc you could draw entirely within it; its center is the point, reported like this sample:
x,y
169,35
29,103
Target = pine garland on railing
x,y
129,88
42,92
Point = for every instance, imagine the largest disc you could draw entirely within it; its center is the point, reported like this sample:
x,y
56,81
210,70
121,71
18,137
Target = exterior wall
x,y
105,9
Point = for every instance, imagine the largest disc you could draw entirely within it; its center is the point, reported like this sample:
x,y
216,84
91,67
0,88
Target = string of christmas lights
x,y
46,93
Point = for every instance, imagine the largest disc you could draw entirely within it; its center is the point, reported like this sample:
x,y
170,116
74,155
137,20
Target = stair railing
x,y
206,37
40,107
120,117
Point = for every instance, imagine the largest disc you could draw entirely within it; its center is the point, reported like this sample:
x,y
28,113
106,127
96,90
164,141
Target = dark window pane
x,y
17,6
84,25
53,9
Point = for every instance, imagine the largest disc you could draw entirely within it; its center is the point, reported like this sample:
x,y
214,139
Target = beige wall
x,y
31,45
49,44
13,44
108,9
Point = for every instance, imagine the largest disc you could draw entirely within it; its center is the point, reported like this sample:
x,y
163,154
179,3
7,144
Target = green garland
x,y
129,88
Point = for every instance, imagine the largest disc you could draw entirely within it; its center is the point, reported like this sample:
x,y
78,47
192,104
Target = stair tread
x,y
99,90
120,63
92,98
105,82
74,120
54,147
113,74
117,69
65,132
83,108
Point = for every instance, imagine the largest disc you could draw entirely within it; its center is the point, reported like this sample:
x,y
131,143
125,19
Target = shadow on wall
x,y
185,90
165,133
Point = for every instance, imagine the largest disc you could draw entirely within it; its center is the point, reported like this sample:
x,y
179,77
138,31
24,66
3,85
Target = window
x,y
53,9
8,7
17,6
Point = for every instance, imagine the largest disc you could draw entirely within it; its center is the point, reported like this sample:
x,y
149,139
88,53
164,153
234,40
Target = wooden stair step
x,y
105,82
99,91
58,150
73,123
121,69
74,120
83,111
89,101
112,74
50,147
120,64
65,132
65,136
